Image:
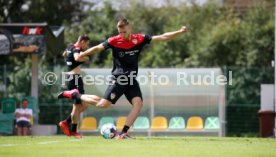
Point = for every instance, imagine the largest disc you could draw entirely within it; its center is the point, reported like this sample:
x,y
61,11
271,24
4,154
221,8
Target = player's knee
x,y
83,108
103,105
138,104
79,107
75,113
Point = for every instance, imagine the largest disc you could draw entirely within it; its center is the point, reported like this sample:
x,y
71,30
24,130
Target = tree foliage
x,y
217,37
51,11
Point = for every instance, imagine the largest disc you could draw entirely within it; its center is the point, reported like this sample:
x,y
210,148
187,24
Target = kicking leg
x,y
103,103
79,98
89,99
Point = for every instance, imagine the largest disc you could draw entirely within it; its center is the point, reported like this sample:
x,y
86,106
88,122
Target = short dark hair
x,y
123,22
84,37
24,100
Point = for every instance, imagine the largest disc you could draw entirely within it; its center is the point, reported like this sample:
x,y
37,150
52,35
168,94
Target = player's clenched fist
x,y
184,29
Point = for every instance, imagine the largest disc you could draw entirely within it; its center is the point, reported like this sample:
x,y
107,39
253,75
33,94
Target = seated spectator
x,y
23,118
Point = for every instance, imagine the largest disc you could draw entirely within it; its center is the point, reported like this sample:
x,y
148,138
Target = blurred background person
x,y
23,118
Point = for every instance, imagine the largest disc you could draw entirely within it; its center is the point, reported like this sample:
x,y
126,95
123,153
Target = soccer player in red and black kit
x,y
73,61
126,48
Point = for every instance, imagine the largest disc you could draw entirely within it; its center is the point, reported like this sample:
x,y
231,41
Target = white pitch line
x,y
45,142
49,142
7,145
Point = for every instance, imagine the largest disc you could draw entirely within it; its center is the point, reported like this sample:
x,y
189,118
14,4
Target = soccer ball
x,y
108,131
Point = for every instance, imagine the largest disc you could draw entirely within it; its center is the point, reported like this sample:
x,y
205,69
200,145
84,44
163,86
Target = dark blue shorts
x,y
23,124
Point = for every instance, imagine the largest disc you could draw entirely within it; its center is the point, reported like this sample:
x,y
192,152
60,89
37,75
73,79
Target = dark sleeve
x,y
147,39
75,51
106,45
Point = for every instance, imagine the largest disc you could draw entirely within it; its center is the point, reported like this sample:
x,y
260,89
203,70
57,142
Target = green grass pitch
x,y
96,146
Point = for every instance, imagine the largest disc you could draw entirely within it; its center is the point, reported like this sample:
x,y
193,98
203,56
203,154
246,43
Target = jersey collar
x,y
77,46
121,36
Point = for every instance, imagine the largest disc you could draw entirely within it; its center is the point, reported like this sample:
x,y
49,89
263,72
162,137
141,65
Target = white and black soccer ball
x,y
108,131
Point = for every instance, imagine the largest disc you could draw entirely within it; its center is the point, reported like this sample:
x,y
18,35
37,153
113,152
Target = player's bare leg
x,y
83,107
95,101
137,104
90,99
76,111
85,98
103,103
75,119
75,115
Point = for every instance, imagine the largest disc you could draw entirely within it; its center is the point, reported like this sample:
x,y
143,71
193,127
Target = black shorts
x,y
75,82
23,124
116,90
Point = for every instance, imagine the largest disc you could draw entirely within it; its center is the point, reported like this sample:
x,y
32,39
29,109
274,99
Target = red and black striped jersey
x,y
126,52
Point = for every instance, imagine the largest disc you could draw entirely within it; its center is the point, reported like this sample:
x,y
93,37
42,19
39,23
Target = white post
x,y
34,86
275,67
222,103
151,101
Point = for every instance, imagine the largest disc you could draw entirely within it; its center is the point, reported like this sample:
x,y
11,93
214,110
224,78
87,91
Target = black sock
x,y
74,127
69,119
125,129
77,97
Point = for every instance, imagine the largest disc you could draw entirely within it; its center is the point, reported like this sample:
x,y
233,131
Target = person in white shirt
x,y
23,118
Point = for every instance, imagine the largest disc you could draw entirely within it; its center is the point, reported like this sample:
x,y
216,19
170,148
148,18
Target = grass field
x,y
93,146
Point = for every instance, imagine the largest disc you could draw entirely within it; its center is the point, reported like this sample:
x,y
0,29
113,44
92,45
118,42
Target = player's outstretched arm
x,y
169,35
80,58
92,50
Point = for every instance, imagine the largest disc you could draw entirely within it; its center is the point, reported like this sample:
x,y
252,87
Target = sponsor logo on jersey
x,y
132,52
135,41
122,54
